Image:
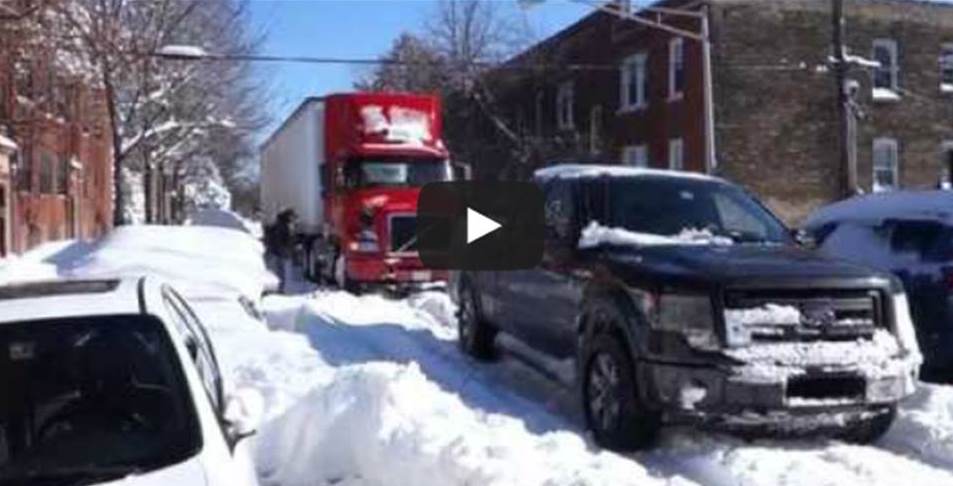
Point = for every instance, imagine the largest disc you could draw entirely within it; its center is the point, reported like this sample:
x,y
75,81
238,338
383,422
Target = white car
x,y
115,382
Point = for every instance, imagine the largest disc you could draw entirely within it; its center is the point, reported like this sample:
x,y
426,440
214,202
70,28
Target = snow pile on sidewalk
x,y
197,260
924,426
384,423
595,235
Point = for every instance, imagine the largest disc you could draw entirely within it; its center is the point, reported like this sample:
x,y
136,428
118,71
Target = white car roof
x,y
576,171
874,209
70,297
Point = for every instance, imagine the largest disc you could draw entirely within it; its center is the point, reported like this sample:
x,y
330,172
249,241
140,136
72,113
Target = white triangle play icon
x,y
479,226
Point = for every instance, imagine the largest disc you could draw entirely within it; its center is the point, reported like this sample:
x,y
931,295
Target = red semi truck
x,y
351,166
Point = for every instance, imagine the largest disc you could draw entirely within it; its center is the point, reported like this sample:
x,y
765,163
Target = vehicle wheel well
x,y
616,297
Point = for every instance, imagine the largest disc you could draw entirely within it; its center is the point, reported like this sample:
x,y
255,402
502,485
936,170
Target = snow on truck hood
x,y
595,235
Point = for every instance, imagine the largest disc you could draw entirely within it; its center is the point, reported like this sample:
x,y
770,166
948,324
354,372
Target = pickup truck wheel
x,y
614,413
475,335
872,429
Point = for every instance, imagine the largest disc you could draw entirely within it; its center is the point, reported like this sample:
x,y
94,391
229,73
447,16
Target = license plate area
x,y
826,387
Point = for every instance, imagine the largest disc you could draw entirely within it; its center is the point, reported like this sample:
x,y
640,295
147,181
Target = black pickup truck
x,y
682,299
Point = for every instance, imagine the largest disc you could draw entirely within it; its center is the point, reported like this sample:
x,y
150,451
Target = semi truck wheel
x,y
341,278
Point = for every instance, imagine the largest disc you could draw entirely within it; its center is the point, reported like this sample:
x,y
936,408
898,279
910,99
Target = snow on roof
x,y
576,171
874,209
7,143
123,299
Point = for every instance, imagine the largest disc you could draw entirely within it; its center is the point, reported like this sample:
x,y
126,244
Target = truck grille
x,y
829,315
403,234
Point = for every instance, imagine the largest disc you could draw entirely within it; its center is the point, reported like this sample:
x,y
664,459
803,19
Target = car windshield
x,y
90,397
668,206
398,172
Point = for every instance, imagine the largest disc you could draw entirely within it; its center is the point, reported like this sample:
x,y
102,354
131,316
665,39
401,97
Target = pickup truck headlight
x,y
906,335
689,315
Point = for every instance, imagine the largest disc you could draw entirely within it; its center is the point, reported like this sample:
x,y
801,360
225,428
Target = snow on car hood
x,y
188,473
595,235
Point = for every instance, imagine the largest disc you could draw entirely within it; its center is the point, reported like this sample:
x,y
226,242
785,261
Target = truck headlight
x,y
906,335
688,315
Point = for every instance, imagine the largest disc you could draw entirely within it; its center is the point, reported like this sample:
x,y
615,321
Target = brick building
x,y
613,89
59,182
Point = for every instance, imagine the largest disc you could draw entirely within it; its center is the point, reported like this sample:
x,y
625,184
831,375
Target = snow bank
x,y
220,218
924,426
385,423
199,261
595,235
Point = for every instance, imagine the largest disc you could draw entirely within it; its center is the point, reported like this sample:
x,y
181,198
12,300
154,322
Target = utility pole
x,y
846,121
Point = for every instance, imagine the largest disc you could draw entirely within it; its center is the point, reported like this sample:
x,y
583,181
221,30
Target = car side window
x,y
199,346
558,210
735,218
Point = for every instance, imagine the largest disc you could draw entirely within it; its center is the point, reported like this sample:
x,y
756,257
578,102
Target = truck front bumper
x,y
760,396
399,270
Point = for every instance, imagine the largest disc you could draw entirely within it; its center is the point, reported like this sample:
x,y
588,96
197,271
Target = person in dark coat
x,y
281,241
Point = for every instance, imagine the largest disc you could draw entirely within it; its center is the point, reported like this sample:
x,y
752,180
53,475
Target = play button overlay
x,y
479,226
470,225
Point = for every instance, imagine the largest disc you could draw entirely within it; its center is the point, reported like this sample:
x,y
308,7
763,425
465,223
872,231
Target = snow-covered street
x,y
371,390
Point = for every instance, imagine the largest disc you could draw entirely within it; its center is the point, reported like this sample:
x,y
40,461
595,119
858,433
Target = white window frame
x,y
946,63
565,99
892,92
676,154
893,148
634,69
946,177
636,155
676,59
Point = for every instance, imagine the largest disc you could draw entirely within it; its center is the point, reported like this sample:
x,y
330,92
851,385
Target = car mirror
x,y
244,412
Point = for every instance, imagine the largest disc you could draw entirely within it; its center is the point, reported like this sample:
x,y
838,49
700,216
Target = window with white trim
x,y
887,76
634,82
564,102
946,67
636,155
886,164
946,165
676,154
676,68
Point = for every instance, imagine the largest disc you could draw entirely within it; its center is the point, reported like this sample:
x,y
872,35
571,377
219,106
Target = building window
x,y
564,102
47,174
946,68
62,175
595,129
676,154
634,82
886,164
676,68
946,165
636,155
886,77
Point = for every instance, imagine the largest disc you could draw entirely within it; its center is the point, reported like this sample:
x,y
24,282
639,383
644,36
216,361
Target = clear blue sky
x,y
358,29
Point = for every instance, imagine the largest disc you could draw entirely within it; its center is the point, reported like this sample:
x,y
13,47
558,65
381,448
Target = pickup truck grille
x,y
812,315
403,234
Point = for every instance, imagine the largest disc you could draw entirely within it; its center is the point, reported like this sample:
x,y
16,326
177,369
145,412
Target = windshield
x,y
676,206
88,395
397,172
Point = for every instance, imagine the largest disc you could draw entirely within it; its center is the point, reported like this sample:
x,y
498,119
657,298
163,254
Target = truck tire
x,y
614,411
341,278
475,336
872,429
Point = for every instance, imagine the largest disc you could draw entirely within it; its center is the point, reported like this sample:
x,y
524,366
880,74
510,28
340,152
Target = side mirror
x,y
804,239
244,412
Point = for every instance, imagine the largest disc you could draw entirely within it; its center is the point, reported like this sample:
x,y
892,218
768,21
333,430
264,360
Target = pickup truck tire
x,y
872,429
475,335
615,414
